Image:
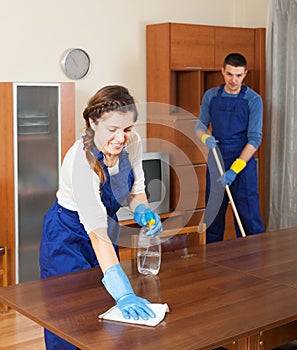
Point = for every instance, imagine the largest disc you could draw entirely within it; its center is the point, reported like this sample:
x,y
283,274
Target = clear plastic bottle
x,y
148,253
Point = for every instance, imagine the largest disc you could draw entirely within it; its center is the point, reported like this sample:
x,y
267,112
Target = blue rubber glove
x,y
118,286
144,216
209,141
227,178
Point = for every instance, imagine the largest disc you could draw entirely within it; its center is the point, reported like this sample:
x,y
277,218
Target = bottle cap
x,y
151,222
150,219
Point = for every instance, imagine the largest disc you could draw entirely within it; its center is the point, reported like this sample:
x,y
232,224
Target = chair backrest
x,y
175,239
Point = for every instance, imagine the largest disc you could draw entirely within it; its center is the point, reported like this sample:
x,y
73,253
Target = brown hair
x,y
107,99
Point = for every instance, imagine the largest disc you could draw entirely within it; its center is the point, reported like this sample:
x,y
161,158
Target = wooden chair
x,y
184,238
4,272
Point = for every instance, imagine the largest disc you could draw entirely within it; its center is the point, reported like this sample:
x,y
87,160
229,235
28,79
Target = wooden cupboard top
x,y
230,39
191,46
203,46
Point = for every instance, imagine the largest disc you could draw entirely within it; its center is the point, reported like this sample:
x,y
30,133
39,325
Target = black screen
x,y
153,180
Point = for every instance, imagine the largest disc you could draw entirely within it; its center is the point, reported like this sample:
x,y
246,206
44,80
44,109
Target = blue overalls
x,y
65,245
229,119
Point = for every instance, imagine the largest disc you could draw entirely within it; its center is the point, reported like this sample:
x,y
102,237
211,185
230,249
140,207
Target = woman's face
x,y
112,131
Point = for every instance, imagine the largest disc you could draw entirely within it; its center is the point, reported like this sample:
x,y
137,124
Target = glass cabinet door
x,y
37,166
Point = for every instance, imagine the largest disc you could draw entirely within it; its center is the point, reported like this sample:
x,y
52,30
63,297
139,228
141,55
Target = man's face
x,y
233,77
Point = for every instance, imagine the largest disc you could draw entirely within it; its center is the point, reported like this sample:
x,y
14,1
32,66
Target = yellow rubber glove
x,y
238,165
209,141
229,176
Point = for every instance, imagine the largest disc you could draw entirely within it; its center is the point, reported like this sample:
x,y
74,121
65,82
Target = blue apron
x,y
229,120
65,245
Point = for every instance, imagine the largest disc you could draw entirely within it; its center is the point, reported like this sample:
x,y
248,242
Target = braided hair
x,y
107,99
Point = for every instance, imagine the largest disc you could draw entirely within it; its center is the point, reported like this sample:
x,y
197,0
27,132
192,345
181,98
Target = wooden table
x,y
241,294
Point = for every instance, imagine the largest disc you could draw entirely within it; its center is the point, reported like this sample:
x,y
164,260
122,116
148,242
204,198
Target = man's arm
x,y
247,153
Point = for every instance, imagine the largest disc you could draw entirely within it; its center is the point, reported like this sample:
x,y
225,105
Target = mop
x,y
229,193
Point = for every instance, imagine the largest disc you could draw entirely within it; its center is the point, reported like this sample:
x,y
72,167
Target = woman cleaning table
x,y
99,172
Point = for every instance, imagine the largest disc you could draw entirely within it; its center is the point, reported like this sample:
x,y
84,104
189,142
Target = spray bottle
x,y
148,249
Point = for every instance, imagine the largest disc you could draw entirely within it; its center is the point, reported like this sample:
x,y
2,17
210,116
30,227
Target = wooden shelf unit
x,y
7,204
183,61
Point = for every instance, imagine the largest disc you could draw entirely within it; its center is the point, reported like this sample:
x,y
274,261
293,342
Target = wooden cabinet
x,y
205,47
183,61
201,41
230,39
37,126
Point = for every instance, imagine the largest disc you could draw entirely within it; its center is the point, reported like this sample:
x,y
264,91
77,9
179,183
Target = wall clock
x,y
76,63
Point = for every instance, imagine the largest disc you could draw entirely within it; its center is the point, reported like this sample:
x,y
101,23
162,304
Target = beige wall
x,y
35,33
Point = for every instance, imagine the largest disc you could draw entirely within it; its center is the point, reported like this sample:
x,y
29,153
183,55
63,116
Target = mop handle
x,y
229,193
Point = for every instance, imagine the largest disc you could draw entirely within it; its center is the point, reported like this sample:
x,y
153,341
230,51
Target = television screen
x,y
152,175
156,170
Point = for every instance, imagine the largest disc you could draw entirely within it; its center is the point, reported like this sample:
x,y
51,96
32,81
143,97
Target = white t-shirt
x,y
79,184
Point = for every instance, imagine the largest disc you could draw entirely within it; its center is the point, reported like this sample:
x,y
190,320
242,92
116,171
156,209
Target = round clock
x,y
76,63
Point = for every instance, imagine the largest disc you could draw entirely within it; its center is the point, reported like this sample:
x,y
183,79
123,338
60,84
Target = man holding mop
x,y
235,114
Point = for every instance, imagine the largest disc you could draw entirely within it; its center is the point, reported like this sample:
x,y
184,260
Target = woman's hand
x,y
118,286
133,306
144,216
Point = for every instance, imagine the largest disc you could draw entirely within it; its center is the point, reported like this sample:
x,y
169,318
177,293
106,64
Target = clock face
x,y
76,63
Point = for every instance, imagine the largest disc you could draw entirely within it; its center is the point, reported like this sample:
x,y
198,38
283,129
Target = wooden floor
x,y
17,332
